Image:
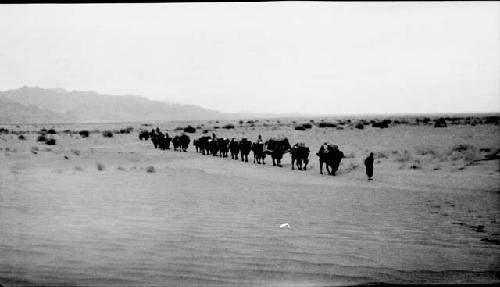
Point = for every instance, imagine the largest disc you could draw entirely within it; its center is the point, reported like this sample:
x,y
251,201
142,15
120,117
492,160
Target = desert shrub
x,y
126,130
75,151
21,137
216,127
84,133
495,154
300,128
100,166
107,134
66,157
4,131
150,169
471,156
34,149
403,157
250,122
265,124
146,125
51,132
327,125
228,126
41,138
50,141
43,131
424,120
120,168
380,154
440,123
240,122
381,125
339,128
461,148
359,126
179,129
307,126
205,132
416,164
67,131
189,129
492,120
427,151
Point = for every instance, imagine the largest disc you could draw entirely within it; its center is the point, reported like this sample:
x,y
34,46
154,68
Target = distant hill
x,y
12,112
38,105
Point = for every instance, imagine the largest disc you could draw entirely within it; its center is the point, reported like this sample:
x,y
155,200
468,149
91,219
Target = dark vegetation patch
x,y
189,129
440,123
307,125
84,133
107,134
326,125
383,124
50,141
126,130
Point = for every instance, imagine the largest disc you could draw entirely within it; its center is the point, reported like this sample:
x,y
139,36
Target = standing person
x,y
369,166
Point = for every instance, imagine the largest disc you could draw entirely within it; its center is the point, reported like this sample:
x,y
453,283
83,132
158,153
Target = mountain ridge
x,y
59,105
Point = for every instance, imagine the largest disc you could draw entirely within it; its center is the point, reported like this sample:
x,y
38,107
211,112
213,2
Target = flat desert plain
x,y
102,211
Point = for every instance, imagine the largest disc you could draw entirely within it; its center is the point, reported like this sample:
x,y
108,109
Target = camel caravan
x,y
328,154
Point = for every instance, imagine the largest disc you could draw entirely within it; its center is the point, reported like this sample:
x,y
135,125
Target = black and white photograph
x,y
275,143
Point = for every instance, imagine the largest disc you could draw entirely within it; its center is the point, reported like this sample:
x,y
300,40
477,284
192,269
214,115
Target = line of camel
x,y
328,154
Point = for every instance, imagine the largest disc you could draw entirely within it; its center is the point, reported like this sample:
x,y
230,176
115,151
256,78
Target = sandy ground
x,y
208,221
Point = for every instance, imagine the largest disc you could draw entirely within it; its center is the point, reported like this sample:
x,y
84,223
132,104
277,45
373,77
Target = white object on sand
x,y
285,225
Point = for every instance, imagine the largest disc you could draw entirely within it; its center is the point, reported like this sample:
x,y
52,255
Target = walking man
x,y
369,166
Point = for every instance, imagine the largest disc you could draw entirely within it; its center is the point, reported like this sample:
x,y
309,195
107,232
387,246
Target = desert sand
x,y
116,211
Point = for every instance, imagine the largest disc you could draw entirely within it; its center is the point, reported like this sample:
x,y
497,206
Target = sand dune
x,y
208,221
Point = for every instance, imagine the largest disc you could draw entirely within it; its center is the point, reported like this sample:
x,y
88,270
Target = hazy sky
x,y
308,57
